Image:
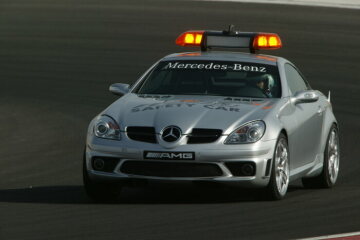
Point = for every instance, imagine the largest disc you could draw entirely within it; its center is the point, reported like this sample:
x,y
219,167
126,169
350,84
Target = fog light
x,y
247,169
99,164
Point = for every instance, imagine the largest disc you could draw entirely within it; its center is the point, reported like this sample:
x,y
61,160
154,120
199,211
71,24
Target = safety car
x,y
230,117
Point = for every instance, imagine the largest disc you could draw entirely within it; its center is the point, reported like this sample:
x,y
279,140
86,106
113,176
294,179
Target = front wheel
x,y
330,172
280,172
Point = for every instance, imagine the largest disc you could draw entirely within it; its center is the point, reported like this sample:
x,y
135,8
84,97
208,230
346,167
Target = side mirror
x,y
119,89
306,96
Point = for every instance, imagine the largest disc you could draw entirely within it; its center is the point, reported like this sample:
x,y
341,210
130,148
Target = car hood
x,y
188,112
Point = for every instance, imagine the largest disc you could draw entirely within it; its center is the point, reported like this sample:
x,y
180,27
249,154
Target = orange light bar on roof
x,y
267,41
190,38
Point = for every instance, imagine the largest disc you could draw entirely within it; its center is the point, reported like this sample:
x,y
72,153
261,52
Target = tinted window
x,y
240,79
295,81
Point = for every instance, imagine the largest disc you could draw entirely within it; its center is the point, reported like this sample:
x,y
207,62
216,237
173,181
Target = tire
x,y
330,171
100,191
280,171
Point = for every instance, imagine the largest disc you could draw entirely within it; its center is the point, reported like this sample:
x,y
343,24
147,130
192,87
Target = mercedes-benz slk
x,y
245,119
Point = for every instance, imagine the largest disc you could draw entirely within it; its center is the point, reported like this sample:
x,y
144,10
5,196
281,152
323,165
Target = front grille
x,y
204,135
142,134
170,169
198,135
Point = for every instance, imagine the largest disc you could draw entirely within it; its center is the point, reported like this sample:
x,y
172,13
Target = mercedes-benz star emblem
x,y
171,134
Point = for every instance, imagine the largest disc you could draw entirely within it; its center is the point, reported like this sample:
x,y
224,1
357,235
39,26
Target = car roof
x,y
223,56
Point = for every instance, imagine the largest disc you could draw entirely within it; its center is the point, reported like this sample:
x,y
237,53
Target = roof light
x,y
190,38
267,41
209,39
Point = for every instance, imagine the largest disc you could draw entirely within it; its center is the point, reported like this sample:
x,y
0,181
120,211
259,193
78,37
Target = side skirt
x,y
309,170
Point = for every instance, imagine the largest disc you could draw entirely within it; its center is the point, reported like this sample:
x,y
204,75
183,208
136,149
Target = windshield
x,y
220,78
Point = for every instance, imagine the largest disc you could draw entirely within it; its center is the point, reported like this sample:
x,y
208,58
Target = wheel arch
x,y
285,133
328,122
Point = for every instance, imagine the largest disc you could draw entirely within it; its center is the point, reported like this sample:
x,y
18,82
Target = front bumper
x,y
214,155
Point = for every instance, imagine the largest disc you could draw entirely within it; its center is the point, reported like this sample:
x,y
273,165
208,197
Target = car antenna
x,y
230,30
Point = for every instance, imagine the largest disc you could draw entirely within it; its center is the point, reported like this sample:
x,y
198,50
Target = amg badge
x,y
169,155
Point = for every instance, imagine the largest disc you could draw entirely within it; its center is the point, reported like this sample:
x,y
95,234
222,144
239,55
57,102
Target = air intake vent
x,y
241,169
171,169
142,134
204,135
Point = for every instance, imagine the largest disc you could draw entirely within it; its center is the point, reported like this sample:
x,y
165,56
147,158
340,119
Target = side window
x,y
295,81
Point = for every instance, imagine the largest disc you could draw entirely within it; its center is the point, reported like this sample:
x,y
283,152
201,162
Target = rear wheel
x,y
330,172
280,172
100,191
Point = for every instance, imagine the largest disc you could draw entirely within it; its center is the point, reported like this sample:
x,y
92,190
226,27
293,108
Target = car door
x,y
304,141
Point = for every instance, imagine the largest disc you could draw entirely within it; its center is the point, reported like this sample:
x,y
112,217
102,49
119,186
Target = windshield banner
x,y
215,66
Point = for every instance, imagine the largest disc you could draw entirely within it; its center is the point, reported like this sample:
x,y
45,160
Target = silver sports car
x,y
235,118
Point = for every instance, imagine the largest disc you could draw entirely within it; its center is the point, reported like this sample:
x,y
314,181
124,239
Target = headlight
x,y
106,127
248,133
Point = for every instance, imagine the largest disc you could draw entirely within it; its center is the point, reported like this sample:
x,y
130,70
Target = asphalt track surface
x,y
57,59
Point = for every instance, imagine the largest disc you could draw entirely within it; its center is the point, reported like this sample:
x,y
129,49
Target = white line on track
x,y
350,236
352,4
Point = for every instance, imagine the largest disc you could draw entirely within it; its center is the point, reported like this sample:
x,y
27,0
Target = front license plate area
x,y
169,155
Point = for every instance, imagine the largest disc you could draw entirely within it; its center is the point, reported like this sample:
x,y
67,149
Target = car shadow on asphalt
x,y
148,195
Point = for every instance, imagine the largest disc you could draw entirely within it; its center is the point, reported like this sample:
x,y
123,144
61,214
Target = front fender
x,y
328,121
